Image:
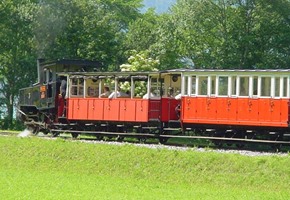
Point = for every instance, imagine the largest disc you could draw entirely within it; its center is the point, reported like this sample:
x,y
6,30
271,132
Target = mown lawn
x,y
33,168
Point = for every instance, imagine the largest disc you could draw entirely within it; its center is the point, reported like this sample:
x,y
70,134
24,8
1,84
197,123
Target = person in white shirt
x,y
151,94
119,93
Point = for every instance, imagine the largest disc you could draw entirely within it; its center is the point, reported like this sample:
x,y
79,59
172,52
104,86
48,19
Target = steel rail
x,y
157,136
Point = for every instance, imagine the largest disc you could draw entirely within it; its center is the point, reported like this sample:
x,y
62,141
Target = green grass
x,y
33,168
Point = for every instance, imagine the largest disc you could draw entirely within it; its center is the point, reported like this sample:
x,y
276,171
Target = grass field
x,y
34,168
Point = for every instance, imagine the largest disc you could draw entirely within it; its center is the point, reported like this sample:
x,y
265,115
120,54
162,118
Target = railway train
x,y
220,105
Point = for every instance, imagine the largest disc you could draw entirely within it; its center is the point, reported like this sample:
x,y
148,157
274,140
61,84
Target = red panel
x,y
95,109
77,109
142,106
111,110
168,106
154,108
69,103
264,110
127,110
232,106
279,111
253,108
211,108
222,114
201,105
187,108
242,110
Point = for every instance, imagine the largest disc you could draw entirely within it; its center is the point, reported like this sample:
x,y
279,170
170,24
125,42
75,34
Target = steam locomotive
x,y
224,106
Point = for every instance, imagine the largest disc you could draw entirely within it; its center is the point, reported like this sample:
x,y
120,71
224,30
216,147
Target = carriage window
x,y
277,86
213,85
92,87
234,86
284,87
193,85
77,86
265,86
185,86
223,86
244,86
202,85
47,75
255,85
155,86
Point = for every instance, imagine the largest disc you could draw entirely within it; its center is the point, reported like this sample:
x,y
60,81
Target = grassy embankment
x,y
33,168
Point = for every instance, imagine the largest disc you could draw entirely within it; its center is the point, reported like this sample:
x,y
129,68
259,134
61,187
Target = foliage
x,y
84,29
232,34
16,53
140,62
63,169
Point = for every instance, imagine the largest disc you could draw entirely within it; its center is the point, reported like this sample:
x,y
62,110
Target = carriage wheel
x,y
120,138
240,145
142,140
100,137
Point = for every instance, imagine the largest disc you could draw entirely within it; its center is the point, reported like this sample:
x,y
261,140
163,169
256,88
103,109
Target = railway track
x,y
220,142
169,141
175,142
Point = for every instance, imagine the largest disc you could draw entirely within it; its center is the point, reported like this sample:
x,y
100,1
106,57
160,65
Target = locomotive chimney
x,y
39,61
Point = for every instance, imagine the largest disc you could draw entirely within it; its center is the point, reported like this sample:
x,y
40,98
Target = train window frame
x,y
265,92
219,86
212,86
92,88
284,91
156,84
254,86
240,86
47,76
78,85
192,86
277,86
233,86
202,87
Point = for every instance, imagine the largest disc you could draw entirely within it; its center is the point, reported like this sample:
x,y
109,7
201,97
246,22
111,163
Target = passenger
x,y
177,97
106,93
62,88
118,94
170,92
151,94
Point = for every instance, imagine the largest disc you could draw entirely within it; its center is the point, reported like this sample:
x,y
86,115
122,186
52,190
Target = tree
x,y
232,34
140,62
154,34
86,29
16,53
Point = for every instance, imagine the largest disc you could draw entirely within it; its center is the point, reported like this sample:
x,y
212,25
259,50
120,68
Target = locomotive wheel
x,y
54,134
163,140
35,130
74,135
